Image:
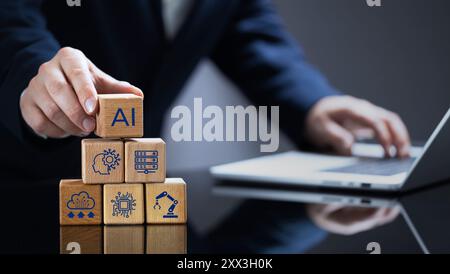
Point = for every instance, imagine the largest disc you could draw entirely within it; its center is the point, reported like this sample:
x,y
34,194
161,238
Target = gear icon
x,y
109,160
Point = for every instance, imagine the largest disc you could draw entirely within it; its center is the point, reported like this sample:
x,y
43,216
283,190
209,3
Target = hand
x,y
347,220
336,122
62,98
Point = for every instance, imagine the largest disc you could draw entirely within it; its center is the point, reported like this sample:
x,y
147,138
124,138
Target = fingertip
x,y
340,139
90,105
89,124
345,147
404,151
139,92
386,144
133,89
63,136
348,147
43,136
84,134
346,152
387,151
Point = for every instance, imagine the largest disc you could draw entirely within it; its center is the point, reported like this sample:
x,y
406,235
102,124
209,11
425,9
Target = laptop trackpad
x,y
379,167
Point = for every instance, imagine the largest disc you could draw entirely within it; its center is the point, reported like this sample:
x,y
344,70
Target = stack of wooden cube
x,y
123,175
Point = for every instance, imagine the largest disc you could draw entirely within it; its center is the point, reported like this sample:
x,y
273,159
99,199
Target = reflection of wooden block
x,y
124,239
120,115
102,161
159,202
79,204
81,239
145,160
166,239
123,204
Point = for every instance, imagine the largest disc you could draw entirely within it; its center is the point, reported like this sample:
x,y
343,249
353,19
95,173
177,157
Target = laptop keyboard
x,y
383,167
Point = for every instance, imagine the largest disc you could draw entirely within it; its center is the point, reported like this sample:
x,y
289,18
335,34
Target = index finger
x,y
75,67
376,123
400,134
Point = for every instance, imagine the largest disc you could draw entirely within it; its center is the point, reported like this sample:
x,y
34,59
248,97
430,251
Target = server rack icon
x,y
146,161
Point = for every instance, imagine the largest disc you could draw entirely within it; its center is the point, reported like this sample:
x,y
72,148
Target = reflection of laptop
x,y
366,169
308,196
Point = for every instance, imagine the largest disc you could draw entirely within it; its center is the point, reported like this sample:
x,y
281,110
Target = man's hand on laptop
x,y
337,121
61,99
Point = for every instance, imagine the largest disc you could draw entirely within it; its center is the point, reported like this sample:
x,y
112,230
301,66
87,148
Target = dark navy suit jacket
x,y
126,39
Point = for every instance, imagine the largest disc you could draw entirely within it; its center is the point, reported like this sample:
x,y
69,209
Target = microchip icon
x,y
124,205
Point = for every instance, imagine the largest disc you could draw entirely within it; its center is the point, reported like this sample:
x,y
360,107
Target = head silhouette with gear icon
x,y
105,162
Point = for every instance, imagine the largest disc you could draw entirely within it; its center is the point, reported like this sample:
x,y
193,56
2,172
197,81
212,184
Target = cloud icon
x,y
81,201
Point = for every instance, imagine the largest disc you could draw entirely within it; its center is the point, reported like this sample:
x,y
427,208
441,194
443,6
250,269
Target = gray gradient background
x,y
395,56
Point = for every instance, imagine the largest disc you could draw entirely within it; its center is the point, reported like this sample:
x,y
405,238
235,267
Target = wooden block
x,y
102,161
120,115
166,239
81,239
123,204
79,204
166,203
124,239
145,160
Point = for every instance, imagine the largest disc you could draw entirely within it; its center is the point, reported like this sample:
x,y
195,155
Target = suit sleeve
x,y
259,55
25,44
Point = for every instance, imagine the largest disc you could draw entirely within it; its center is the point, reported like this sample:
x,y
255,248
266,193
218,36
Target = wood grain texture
x,y
166,239
102,161
176,188
123,204
145,160
79,203
124,239
126,124
90,239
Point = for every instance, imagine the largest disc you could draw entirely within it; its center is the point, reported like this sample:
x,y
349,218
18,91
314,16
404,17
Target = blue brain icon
x,y
81,201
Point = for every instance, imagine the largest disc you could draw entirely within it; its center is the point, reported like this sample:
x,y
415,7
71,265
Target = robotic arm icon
x,y
170,210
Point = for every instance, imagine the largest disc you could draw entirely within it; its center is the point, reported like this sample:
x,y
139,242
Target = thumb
x,y
105,83
339,138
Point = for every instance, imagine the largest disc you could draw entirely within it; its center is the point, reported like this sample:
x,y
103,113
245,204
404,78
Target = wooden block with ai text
x,y
166,202
123,204
79,204
120,115
124,239
102,161
145,160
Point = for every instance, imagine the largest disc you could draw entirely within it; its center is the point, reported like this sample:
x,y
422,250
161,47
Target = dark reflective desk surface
x,y
224,218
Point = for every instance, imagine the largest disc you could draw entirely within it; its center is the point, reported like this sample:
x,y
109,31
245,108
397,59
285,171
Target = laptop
x,y
367,169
